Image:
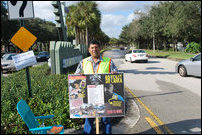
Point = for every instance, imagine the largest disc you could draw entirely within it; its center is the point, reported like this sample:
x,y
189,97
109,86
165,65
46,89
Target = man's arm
x,y
79,69
113,68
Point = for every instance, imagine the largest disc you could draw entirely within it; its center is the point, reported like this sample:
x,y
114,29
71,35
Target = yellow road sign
x,y
23,39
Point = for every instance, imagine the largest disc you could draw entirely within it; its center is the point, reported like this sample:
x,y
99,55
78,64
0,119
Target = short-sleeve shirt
x,y
79,69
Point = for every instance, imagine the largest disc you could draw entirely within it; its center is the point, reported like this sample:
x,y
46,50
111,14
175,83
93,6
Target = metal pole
x,y
28,82
27,70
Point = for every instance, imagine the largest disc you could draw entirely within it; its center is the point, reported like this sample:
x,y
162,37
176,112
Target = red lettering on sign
x,y
114,111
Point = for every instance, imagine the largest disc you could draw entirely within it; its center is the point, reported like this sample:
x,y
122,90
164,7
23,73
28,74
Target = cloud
x,y
114,6
115,14
112,20
44,10
68,3
130,17
112,24
111,6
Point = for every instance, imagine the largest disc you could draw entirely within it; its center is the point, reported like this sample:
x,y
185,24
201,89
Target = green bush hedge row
x,y
193,47
50,96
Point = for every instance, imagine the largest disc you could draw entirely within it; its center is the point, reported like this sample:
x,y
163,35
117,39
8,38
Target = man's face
x,y
76,85
94,50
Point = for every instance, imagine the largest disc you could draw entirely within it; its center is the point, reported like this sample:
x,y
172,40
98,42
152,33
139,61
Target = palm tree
x,y
91,17
85,18
73,21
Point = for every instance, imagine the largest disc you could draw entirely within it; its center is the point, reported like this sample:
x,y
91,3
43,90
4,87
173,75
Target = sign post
x,y
97,125
27,71
23,39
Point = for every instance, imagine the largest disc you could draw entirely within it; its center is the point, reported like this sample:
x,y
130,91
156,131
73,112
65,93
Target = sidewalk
x,y
120,125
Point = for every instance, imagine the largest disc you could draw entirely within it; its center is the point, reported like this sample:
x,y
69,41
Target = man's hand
x,y
113,72
81,74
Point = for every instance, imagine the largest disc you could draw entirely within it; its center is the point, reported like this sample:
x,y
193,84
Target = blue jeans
x,y
89,128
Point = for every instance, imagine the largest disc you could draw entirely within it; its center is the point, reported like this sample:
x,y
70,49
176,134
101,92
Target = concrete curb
x,y
126,125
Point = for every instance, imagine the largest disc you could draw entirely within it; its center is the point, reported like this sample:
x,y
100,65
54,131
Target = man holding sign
x,y
92,65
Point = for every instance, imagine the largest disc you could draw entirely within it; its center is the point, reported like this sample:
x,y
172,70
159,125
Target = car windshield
x,y
138,51
43,53
130,51
8,56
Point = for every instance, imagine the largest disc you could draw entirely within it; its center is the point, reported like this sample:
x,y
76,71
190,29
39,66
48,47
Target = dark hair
x,y
94,42
75,82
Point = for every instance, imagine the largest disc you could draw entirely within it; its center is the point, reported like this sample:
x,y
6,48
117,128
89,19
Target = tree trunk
x,y
86,36
164,45
79,40
76,35
154,43
83,37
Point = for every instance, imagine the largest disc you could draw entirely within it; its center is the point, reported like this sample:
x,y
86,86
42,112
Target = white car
x,y
7,62
136,55
49,62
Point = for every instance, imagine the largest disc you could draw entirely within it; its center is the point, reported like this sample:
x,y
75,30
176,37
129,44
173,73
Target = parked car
x,y
190,66
7,62
136,55
122,48
43,56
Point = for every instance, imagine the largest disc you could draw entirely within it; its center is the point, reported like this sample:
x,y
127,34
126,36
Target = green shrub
x,y
193,47
50,96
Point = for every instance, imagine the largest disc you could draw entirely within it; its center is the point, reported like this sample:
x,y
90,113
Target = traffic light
x,y
60,19
58,13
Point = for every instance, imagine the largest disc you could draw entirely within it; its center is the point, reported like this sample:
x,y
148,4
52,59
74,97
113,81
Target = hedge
x,y
50,96
193,47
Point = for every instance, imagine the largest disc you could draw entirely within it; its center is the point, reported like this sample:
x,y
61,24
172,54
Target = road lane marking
x,y
154,125
150,112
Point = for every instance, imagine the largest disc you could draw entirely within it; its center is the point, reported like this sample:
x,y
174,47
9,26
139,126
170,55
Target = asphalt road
x,y
168,103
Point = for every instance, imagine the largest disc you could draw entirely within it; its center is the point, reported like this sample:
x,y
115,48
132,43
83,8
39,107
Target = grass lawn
x,y
170,54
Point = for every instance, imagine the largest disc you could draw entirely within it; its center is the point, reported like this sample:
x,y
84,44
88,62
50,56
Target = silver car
x,y
190,66
7,62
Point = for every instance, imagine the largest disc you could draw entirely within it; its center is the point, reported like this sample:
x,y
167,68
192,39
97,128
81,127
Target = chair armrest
x,y
44,117
40,129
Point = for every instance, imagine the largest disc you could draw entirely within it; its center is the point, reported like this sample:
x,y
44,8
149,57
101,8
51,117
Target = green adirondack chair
x,y
31,121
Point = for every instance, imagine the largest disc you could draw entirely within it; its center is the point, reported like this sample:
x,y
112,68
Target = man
x,y
91,65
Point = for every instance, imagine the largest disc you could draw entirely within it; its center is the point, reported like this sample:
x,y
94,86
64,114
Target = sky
x,y
114,14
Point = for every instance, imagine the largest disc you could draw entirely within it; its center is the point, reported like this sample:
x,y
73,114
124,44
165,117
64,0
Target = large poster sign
x,y
96,95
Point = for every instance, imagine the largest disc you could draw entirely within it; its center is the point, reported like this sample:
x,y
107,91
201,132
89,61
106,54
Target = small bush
x,y
193,47
50,96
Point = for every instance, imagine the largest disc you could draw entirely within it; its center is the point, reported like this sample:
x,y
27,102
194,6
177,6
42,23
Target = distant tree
x,y
167,22
8,27
45,31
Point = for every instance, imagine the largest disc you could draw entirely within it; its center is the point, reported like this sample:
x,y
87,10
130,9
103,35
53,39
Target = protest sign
x,y
96,95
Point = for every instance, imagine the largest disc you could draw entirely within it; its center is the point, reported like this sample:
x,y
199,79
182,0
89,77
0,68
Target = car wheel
x,y
146,61
182,71
125,60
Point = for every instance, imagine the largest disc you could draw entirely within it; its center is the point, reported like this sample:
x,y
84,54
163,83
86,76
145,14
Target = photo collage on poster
x,y
96,95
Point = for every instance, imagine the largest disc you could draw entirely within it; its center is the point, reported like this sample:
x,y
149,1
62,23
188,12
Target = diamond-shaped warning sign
x,y
23,39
